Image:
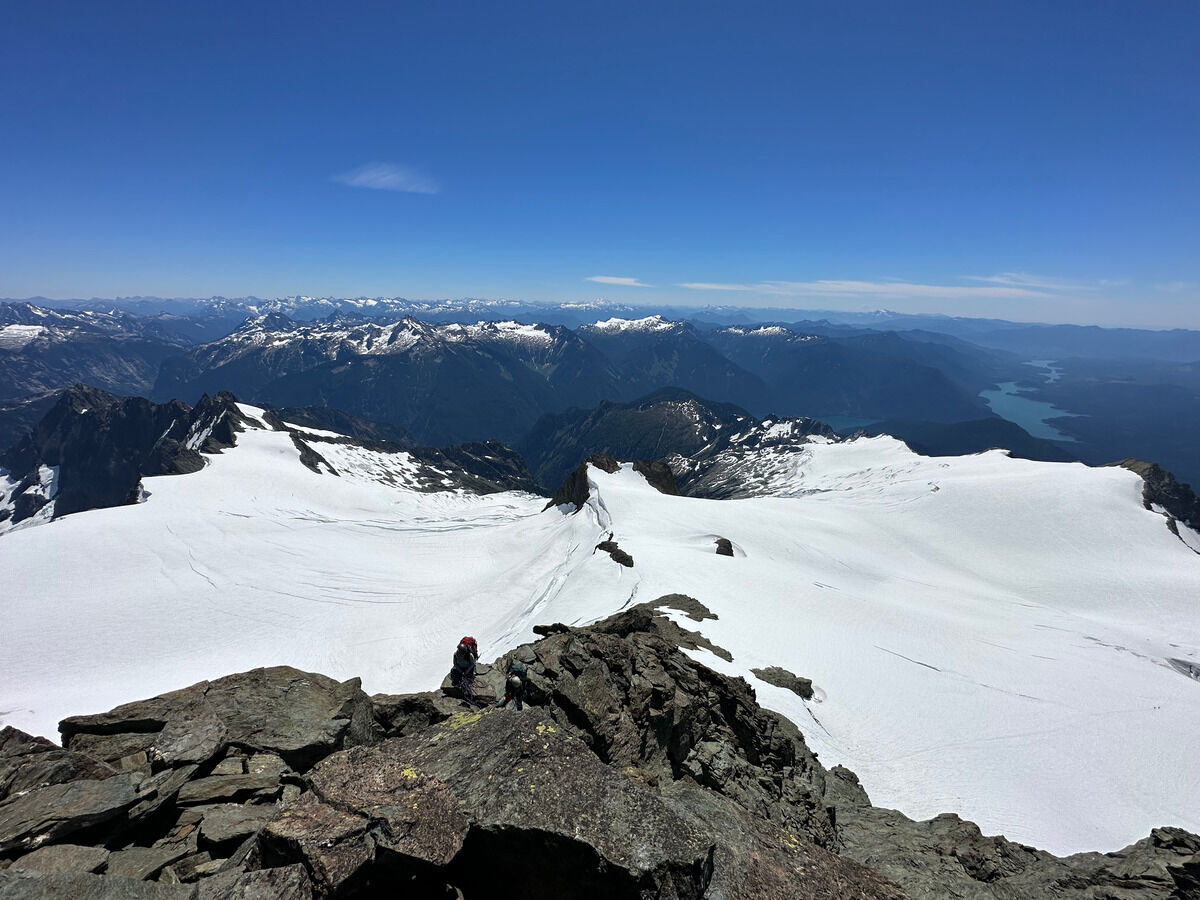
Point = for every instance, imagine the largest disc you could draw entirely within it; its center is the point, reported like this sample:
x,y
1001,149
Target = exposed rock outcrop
x,y
92,449
575,491
613,549
949,857
300,716
1161,489
780,677
633,772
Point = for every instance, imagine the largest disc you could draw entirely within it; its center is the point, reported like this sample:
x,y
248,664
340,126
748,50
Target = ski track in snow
x,y
998,647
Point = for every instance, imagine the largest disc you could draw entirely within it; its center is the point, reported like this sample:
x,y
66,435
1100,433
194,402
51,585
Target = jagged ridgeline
x,y
634,772
92,449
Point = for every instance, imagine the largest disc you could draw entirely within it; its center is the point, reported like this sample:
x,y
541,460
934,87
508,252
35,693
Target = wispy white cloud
x,y
1038,282
1175,287
617,279
381,176
891,289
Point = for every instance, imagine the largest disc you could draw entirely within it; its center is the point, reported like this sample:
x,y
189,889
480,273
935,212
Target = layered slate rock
x,y
67,859
633,773
473,797
949,857
28,762
22,885
46,814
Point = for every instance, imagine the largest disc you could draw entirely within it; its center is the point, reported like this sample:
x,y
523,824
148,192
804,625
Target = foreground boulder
x,y
633,773
300,716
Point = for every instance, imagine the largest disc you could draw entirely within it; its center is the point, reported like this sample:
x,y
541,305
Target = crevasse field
x,y
986,636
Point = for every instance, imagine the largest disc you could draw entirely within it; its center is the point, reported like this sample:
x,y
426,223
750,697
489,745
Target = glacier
x,y
987,636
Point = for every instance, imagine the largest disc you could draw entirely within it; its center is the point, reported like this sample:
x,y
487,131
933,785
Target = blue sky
x,y
1033,161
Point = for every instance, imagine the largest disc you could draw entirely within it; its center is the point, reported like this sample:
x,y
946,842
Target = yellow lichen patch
x,y
409,773
789,840
547,729
458,720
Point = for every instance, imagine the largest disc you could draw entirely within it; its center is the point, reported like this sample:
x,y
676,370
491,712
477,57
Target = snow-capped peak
x,y
649,324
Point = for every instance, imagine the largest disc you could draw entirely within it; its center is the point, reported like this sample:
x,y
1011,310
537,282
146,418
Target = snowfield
x,y
986,636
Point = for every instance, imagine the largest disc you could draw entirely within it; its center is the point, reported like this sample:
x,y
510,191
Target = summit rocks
x,y
634,772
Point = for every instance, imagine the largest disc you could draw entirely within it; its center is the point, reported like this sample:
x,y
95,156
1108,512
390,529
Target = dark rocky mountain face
x,y
867,377
441,383
92,449
17,417
654,353
633,773
701,441
326,418
44,350
668,421
1161,489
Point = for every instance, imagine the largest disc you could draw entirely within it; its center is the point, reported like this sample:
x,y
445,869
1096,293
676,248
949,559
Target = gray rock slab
x,y
143,863
269,764
62,859
234,765
230,821
28,762
301,716
159,790
113,748
39,886
216,788
284,883
49,813
780,677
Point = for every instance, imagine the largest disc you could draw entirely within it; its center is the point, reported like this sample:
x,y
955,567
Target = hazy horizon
x,y
862,313
1022,161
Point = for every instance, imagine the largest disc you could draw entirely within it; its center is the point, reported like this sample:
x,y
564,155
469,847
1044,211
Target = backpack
x,y
518,670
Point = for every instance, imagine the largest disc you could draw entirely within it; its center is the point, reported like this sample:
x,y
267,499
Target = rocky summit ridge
x,y
633,772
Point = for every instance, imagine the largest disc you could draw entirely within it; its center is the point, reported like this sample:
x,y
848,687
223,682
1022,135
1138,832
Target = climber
x,y
462,675
517,677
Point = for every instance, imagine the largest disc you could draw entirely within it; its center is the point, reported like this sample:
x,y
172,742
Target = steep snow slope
x,y
257,560
987,636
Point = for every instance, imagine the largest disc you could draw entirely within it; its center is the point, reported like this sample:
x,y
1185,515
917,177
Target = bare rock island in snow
x,y
634,772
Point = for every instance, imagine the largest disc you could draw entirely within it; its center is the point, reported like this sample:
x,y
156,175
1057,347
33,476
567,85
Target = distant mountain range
x,y
452,371
44,349
1029,340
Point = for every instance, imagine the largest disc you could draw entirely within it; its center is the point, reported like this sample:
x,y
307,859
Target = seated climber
x,y
462,674
517,677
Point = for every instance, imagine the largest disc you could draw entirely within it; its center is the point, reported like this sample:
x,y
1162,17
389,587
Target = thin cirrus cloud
x,y
1038,282
617,279
380,176
995,288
